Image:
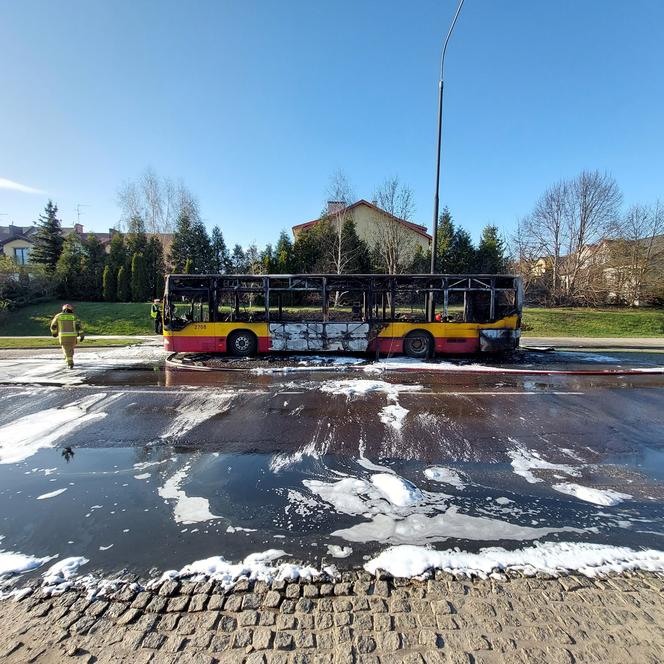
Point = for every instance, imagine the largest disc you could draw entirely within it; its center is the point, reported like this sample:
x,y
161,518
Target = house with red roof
x,y
374,225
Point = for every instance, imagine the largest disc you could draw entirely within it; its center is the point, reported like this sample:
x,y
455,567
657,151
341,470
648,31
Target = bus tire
x,y
418,344
242,343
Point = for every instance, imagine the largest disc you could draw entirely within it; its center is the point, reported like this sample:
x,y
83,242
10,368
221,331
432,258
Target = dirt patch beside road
x,y
357,618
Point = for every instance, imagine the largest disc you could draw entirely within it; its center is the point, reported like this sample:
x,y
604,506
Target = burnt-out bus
x,y
418,315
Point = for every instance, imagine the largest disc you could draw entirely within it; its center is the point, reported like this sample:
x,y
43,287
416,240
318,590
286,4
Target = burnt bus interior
x,y
373,298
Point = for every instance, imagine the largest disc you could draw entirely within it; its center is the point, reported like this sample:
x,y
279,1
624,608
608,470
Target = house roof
x,y
9,233
420,230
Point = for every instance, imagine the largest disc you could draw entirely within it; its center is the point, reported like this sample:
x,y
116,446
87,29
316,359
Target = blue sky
x,y
255,104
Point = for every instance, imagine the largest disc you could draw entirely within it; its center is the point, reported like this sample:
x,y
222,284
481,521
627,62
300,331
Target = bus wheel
x,y
417,344
242,343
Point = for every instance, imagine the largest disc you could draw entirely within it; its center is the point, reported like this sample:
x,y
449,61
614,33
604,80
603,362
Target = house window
x,y
22,255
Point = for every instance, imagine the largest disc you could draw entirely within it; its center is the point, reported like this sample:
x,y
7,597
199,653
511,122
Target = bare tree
x,y
568,229
636,256
525,252
593,208
340,197
395,243
157,200
546,229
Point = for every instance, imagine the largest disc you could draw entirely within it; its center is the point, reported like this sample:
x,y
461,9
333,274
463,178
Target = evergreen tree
x,y
462,253
159,285
154,265
201,249
136,240
220,257
69,271
268,260
421,261
140,287
124,285
48,240
445,240
110,284
94,263
238,262
253,260
117,256
355,250
312,249
283,254
181,247
491,252
191,242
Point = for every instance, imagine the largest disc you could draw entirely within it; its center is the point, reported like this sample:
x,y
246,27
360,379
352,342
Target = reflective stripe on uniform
x,y
67,325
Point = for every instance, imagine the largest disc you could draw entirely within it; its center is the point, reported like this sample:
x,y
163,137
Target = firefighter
x,y
155,314
67,327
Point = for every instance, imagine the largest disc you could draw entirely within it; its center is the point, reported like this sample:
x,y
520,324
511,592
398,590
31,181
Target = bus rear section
x,y
417,315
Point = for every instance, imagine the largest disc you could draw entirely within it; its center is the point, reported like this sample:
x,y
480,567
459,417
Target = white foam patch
x,y
355,387
337,551
196,408
187,509
345,495
142,476
314,449
408,363
257,566
17,563
51,494
300,504
309,363
549,557
393,416
605,497
445,476
413,363
395,511
398,491
420,527
148,464
524,461
367,463
587,357
335,360
31,433
58,577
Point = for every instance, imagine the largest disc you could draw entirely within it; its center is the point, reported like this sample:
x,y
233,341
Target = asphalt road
x,y
133,465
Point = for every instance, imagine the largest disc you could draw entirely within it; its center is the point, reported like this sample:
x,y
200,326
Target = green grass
x,y
582,322
97,317
134,318
49,342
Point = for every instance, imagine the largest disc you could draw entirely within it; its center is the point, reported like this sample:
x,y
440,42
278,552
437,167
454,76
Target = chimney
x,y
335,206
78,229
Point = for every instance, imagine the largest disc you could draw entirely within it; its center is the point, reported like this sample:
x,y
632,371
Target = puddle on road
x,y
140,508
153,484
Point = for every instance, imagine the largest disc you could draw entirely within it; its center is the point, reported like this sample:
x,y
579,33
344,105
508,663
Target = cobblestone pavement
x,y
358,618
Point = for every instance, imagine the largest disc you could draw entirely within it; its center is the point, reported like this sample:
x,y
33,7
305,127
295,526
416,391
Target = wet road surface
x,y
134,465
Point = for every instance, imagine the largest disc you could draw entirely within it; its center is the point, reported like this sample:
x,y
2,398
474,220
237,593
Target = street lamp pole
x,y
438,147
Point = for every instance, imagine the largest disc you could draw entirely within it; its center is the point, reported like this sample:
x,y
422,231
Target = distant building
x,y
17,241
371,222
